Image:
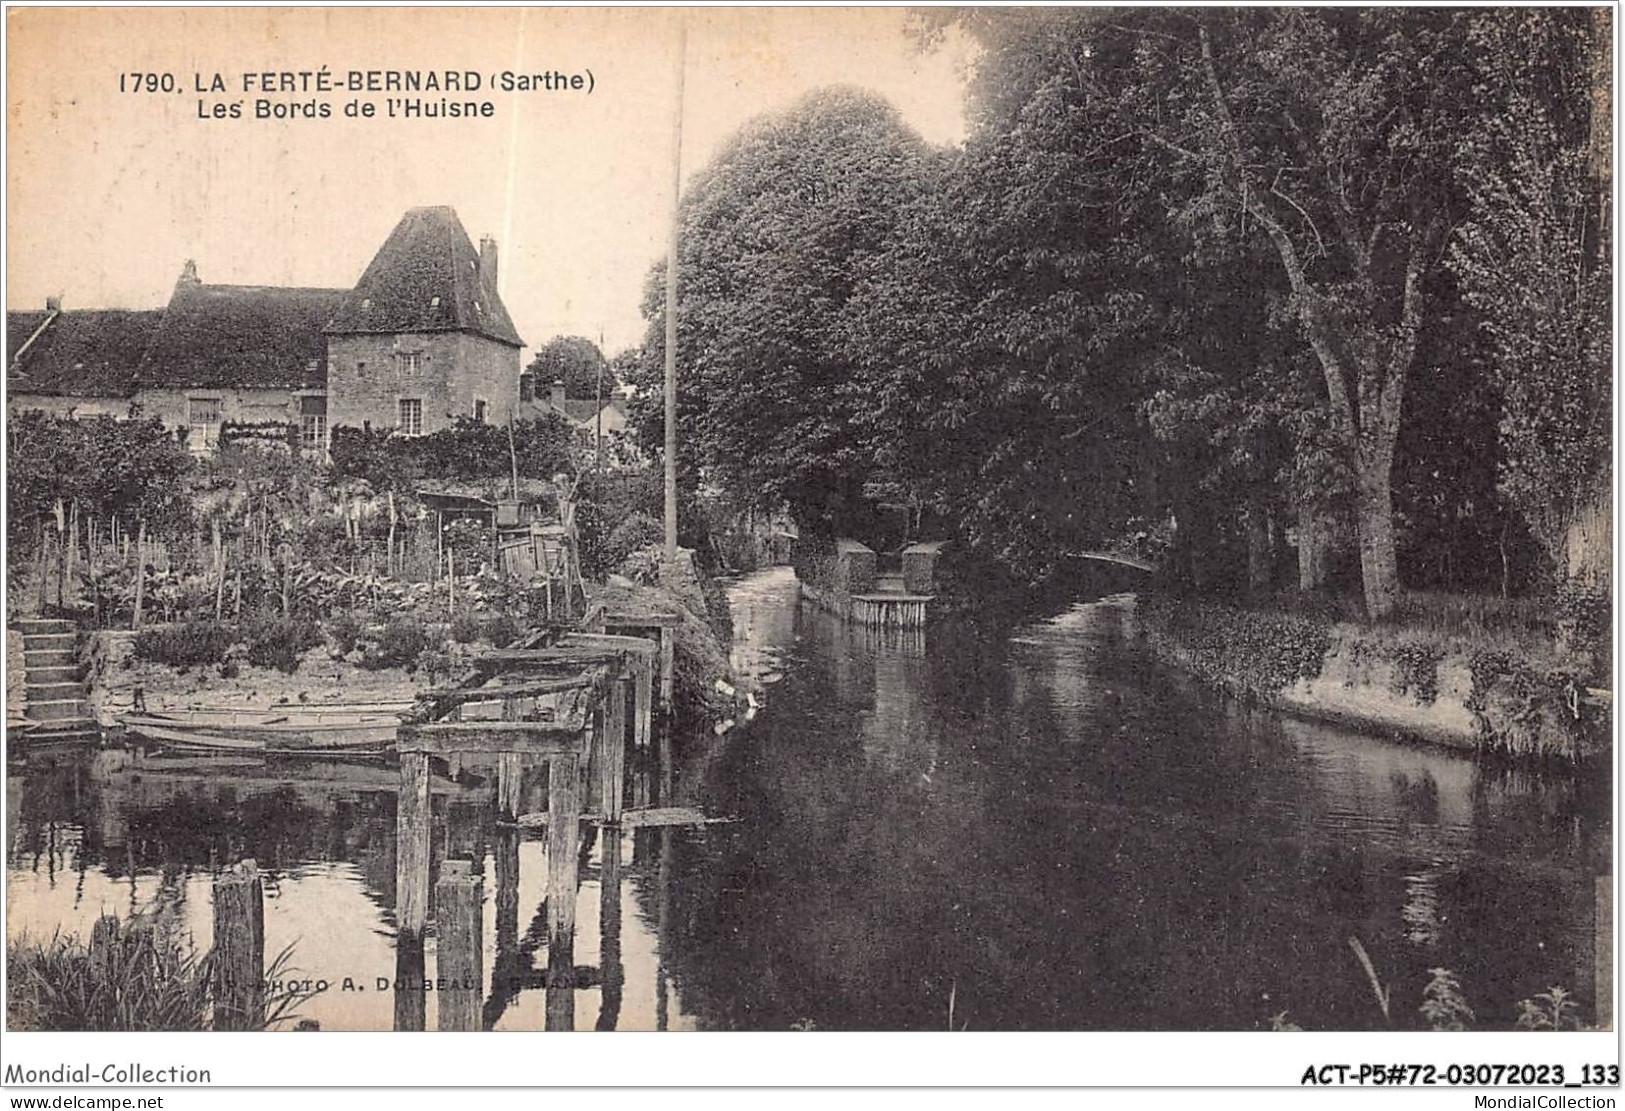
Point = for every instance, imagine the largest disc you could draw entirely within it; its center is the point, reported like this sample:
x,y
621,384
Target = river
x,y
1039,830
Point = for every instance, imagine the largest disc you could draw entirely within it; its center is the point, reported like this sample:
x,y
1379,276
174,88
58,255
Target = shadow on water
x,y
1029,825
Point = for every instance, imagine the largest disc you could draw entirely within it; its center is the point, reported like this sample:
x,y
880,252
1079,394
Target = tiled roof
x,y
241,336
426,278
83,353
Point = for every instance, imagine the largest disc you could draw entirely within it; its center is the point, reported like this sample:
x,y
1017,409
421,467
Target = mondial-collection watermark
x,y
1543,1103
133,1072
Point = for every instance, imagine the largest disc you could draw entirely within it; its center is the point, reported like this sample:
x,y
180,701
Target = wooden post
x,y
1604,945
451,584
410,998
510,779
611,974
287,580
140,573
563,832
612,751
104,938
239,948
668,668
643,703
506,852
412,825
459,959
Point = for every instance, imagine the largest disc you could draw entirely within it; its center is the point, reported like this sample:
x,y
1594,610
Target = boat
x,y
296,731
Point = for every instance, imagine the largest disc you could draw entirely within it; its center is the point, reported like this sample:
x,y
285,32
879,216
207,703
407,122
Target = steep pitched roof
x,y
426,278
241,336
83,353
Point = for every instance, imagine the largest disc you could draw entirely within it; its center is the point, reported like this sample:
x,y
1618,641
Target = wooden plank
x,y
502,657
613,976
648,619
238,963
668,670
640,817
510,780
412,822
430,706
410,999
642,705
459,960
452,697
641,646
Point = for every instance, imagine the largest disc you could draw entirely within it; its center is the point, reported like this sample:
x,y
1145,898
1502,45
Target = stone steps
x,y
54,682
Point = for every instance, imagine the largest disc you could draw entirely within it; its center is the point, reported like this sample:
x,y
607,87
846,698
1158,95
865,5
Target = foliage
x,y
148,979
606,500
577,362
775,232
398,643
134,469
640,530
278,642
1534,260
1245,650
541,448
1416,670
192,644
1444,1006
1552,1009
342,630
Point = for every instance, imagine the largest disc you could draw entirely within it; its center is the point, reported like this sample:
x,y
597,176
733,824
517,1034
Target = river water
x,y
1034,829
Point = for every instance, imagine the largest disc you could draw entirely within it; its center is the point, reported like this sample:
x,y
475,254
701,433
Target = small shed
x,y
854,566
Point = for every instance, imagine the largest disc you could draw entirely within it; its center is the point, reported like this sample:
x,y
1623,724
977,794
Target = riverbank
x,y
1461,691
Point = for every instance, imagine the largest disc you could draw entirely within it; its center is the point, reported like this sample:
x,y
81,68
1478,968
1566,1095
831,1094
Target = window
x,y
479,410
407,362
527,387
313,422
411,422
361,369
202,411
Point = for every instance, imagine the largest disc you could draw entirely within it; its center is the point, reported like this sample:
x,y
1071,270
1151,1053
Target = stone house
x,y
421,339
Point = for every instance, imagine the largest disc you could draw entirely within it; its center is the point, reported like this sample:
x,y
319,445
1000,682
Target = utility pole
x,y
671,298
598,433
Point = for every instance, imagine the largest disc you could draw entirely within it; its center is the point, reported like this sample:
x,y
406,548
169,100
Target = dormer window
x,y
434,302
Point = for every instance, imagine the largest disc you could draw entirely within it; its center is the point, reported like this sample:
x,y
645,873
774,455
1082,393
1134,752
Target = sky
x,y
110,192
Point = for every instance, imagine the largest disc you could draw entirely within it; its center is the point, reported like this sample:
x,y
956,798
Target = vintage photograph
x,y
834,519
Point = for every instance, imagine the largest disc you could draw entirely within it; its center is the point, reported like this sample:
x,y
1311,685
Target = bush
x,y
637,531
187,645
278,642
499,630
465,628
400,644
343,630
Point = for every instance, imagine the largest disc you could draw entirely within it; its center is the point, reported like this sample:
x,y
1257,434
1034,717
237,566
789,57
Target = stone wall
x,y
366,383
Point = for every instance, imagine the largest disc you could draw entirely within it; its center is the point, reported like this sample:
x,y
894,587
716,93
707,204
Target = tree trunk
x,y
1379,565
1260,557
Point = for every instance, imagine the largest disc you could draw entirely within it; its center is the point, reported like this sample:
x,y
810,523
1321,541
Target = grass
x,y
142,976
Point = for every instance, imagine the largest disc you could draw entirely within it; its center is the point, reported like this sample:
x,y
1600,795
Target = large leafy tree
x,y
775,232
1535,262
574,360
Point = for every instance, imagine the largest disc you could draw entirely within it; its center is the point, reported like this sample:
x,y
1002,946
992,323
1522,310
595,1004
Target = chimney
x,y
488,260
53,304
558,394
189,274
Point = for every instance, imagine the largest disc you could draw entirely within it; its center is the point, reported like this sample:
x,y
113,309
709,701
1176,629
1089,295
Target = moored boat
x,y
295,731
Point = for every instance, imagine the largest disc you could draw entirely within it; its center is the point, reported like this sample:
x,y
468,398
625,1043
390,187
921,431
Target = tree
x,y
774,233
573,360
1535,262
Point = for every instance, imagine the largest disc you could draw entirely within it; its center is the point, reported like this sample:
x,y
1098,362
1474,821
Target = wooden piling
x,y
104,939
611,975
510,779
239,949
612,751
412,825
563,874
410,998
459,957
643,704
668,668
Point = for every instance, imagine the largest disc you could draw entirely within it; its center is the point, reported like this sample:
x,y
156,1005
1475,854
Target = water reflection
x,y
1042,827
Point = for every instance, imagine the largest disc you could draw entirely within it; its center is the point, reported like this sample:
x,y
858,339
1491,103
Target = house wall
x,y
243,406
454,369
116,407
